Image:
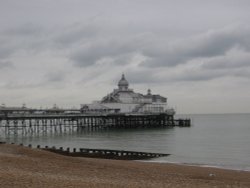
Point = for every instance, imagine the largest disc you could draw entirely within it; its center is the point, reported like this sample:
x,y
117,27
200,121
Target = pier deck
x,y
35,123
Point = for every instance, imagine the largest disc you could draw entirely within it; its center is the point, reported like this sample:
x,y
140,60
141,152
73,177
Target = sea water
x,y
221,140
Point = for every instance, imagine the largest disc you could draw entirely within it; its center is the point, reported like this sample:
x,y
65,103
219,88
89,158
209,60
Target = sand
x,y
25,167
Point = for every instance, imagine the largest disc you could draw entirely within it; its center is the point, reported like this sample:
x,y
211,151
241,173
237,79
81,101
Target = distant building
x,y
125,100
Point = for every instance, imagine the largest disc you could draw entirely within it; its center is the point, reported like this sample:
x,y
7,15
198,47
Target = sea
x,y
213,140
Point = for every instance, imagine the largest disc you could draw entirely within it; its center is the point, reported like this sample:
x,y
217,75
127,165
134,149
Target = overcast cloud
x,y
196,53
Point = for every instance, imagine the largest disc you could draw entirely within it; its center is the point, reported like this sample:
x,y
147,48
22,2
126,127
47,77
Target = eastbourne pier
x,y
30,121
121,108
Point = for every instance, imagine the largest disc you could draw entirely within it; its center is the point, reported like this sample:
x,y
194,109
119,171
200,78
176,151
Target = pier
x,y
37,123
121,109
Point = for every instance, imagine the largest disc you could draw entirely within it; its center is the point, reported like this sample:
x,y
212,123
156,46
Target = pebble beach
x,y
26,167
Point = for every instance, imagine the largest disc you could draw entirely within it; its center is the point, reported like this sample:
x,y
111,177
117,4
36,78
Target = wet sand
x,y
25,167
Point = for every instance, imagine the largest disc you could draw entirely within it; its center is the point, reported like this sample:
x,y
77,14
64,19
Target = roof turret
x,y
123,83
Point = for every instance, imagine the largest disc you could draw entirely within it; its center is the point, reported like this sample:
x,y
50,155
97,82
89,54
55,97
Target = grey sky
x,y
68,52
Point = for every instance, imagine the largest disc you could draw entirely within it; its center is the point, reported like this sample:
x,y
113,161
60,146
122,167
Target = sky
x,y
70,52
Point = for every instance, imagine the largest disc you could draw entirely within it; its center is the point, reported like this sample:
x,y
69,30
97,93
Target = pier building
x,y
125,100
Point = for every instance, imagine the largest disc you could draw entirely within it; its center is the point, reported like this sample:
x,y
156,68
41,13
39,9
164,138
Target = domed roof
x,y
123,81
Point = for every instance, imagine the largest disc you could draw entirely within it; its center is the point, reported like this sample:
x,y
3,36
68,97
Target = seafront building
x,y
121,100
125,100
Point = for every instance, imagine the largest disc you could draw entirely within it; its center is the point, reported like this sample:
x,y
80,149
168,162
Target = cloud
x,y
25,38
202,57
234,64
24,30
49,80
6,49
234,59
208,45
76,33
158,50
5,64
4,52
55,76
143,76
113,48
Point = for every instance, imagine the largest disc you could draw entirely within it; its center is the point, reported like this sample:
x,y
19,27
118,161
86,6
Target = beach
x,y
25,167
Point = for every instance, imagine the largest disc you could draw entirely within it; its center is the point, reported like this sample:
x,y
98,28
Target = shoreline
x,y
195,165
155,160
26,167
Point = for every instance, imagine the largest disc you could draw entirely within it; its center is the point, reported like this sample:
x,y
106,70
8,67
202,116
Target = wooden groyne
x,y
100,153
106,153
35,123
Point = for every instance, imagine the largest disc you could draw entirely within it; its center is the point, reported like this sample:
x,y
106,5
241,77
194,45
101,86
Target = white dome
x,y
123,83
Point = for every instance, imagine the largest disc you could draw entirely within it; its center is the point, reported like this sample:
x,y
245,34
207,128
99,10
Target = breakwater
x,y
100,153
